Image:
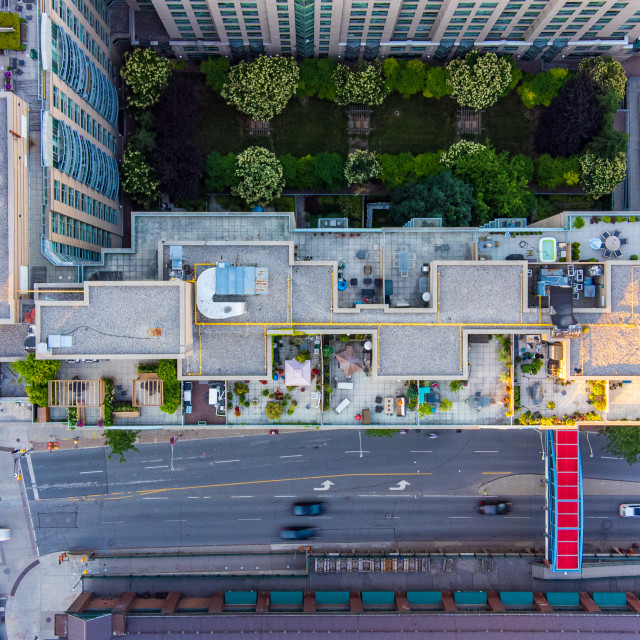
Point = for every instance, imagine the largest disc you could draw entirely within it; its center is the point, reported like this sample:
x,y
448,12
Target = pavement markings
x,y
175,520
485,452
158,460
358,451
496,473
423,451
249,519
297,455
285,496
518,517
193,497
222,461
596,517
112,522
459,517
242,496
101,471
34,486
610,458
154,498
384,495
160,466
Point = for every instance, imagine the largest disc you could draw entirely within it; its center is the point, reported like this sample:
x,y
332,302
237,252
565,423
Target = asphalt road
x,y
239,491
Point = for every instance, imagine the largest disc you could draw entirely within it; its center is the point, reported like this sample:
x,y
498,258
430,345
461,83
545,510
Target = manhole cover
x,y
607,524
7,572
48,619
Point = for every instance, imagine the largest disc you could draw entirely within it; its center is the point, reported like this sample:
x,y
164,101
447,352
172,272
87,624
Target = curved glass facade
x,y
71,64
82,160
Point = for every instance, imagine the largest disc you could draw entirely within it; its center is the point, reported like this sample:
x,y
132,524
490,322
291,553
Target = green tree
x,y
329,169
361,166
289,170
623,442
407,78
445,405
601,176
120,441
364,85
435,83
499,184
607,73
424,409
459,150
145,75
274,410
35,374
609,142
443,196
478,80
138,179
380,433
262,88
397,170
542,88
316,78
259,176
427,164
220,171
306,173
555,172
216,72
392,70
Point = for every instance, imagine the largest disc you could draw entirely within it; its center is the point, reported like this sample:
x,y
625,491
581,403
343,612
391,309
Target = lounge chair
x,y
604,235
616,233
623,241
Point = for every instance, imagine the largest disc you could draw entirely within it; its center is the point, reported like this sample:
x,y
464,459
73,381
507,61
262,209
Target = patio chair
x,y
623,241
378,282
579,275
606,254
577,287
378,399
379,408
353,282
617,254
604,235
404,274
437,248
367,281
616,233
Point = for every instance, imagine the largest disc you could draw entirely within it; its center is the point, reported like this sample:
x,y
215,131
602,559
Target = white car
x,y
5,534
630,510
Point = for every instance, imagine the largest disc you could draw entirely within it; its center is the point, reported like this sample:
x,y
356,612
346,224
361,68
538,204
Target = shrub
x,y
445,404
361,166
459,150
424,409
216,72
262,88
168,373
578,222
608,74
265,392
138,179
274,410
151,367
240,388
364,85
107,402
435,83
633,257
303,356
542,88
260,176
455,386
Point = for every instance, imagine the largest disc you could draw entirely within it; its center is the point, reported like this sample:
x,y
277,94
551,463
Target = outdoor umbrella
x,y
349,362
297,374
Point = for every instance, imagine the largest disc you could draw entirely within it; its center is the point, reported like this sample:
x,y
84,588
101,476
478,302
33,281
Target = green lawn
x,y
423,125
507,127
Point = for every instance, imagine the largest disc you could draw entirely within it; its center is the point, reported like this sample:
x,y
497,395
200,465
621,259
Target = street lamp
x,y
541,444
589,443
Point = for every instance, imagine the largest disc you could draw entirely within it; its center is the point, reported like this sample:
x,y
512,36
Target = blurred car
x,y
515,256
298,533
308,508
630,510
493,507
5,534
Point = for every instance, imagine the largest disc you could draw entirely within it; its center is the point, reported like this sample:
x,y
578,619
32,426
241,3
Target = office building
x,y
79,136
369,29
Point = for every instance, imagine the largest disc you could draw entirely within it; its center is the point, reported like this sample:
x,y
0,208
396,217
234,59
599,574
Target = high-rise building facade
x,y
436,29
79,132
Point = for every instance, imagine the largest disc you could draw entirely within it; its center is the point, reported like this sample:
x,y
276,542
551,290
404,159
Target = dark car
x,y
494,507
297,533
308,508
515,256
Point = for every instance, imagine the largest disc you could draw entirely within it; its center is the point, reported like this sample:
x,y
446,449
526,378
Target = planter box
x,y
126,414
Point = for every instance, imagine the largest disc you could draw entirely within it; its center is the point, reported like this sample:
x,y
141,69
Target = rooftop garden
x,y
10,39
257,128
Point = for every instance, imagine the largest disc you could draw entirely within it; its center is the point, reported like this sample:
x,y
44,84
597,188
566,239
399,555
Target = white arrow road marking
x,y
325,486
401,486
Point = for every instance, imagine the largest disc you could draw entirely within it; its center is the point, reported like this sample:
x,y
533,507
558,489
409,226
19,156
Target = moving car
x,y
308,508
5,534
298,533
630,510
493,507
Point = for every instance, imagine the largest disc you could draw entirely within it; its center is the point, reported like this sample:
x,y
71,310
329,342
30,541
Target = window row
x,y
82,202
67,251
72,228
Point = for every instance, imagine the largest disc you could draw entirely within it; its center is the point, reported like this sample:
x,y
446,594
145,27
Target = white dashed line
x,y
160,466
297,455
101,471
222,461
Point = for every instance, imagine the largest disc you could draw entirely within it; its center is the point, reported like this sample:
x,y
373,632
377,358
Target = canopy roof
x,y
297,374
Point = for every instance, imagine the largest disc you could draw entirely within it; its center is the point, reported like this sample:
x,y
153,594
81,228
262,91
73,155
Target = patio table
x,y
612,243
404,261
486,245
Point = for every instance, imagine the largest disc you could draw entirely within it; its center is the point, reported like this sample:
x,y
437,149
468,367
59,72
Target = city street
x,y
239,491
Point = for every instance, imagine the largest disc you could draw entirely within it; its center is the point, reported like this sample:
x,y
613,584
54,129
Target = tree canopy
x,y
442,196
262,88
138,179
216,72
478,80
361,166
407,78
435,83
259,174
573,118
316,78
542,88
220,171
623,442
36,375
145,74
601,176
607,73
364,85
120,441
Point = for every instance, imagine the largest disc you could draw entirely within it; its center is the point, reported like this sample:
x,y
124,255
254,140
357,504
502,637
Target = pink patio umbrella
x,y
349,362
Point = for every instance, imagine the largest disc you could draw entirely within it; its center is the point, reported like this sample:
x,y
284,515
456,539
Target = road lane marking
x,y
101,471
242,496
158,460
610,458
112,522
144,492
485,452
297,455
496,473
223,461
596,517
384,495
284,496
519,517
358,451
423,451
175,520
154,498
160,466
459,517
34,486
249,519
193,497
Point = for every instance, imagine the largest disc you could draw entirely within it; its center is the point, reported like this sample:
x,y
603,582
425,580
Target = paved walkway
x,y
633,153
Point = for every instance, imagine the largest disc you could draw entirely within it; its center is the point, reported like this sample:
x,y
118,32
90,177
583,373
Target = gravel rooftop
x,y
269,307
4,215
420,351
480,293
12,338
117,320
311,293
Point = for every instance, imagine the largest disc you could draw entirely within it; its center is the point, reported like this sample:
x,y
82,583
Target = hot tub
x,y
547,249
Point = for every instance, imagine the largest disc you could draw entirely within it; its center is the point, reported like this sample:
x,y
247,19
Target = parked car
x,y
515,256
494,507
308,508
630,510
5,534
298,533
